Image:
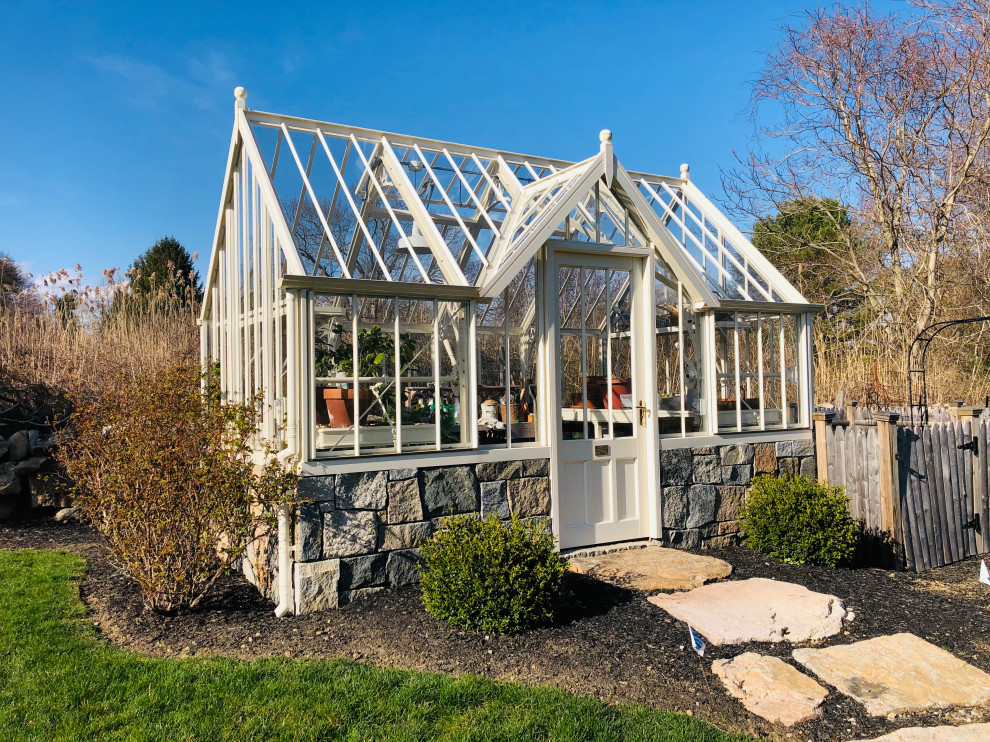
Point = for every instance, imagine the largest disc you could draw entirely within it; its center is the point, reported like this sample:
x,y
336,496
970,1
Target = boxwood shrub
x,y
479,573
799,520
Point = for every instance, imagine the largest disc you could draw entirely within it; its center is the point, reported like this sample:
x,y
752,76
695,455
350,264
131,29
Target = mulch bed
x,y
610,644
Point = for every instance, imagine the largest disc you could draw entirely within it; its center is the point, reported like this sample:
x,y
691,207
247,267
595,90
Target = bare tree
x,y
889,114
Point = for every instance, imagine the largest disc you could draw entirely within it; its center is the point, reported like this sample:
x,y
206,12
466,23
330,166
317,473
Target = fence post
x,y
850,407
822,421
890,480
972,413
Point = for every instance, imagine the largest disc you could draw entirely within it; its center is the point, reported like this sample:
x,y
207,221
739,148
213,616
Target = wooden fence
x,y
921,492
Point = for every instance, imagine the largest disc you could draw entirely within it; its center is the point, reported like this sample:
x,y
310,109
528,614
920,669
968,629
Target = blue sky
x,y
116,116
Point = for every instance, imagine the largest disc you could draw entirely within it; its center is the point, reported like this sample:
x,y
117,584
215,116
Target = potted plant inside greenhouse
x,y
335,377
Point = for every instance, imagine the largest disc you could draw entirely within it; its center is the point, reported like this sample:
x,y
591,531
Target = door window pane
x,y
620,400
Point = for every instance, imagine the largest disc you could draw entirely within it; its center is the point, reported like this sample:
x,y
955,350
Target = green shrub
x,y
799,520
479,573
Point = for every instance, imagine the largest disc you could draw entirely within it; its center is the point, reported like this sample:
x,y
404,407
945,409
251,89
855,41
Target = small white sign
x,y
697,643
984,572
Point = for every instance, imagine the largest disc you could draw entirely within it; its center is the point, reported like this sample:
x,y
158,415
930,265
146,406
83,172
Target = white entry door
x,y
603,412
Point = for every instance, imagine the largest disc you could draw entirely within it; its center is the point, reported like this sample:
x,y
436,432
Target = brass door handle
x,y
643,412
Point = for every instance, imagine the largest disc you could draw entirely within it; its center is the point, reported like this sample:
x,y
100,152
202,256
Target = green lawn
x,y
58,681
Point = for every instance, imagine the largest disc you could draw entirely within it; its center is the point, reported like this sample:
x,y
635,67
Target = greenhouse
x,y
433,328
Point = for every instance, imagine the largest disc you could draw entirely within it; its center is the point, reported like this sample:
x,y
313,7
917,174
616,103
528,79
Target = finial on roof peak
x,y
685,172
605,135
241,95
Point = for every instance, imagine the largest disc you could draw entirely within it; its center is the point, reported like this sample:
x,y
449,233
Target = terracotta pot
x,y
619,387
338,407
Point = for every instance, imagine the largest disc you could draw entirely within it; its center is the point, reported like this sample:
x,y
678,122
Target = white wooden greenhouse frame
x,y
450,304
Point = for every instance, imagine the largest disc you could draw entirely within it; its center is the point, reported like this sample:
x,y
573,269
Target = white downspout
x,y
286,593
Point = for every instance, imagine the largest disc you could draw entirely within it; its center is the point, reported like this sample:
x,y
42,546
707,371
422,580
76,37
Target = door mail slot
x,y
603,451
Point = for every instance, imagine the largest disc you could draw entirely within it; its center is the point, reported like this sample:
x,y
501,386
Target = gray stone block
x,y
808,467
352,596
402,567
543,522
439,523
738,454
30,466
803,448
720,542
362,491
492,470
10,483
449,489
397,475
675,466
707,470
704,450
783,448
787,466
406,536
309,532
739,474
683,539
674,507
536,468
701,504
404,505
362,571
317,489
19,445
529,496
729,501
764,458
316,585
349,532
495,499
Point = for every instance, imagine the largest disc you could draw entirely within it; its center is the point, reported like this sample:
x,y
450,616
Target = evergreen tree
x,y
13,281
166,269
802,240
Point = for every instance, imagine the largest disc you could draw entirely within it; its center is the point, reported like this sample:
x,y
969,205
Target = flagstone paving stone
x,y
653,568
770,688
897,674
756,610
965,733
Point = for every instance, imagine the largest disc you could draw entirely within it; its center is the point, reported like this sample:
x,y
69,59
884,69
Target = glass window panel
x,y
694,386
524,350
725,369
416,392
620,397
454,407
749,370
569,297
490,332
571,388
771,371
334,381
791,379
375,366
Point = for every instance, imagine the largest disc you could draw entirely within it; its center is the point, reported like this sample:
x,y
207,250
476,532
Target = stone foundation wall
x,y
29,476
357,534
703,489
